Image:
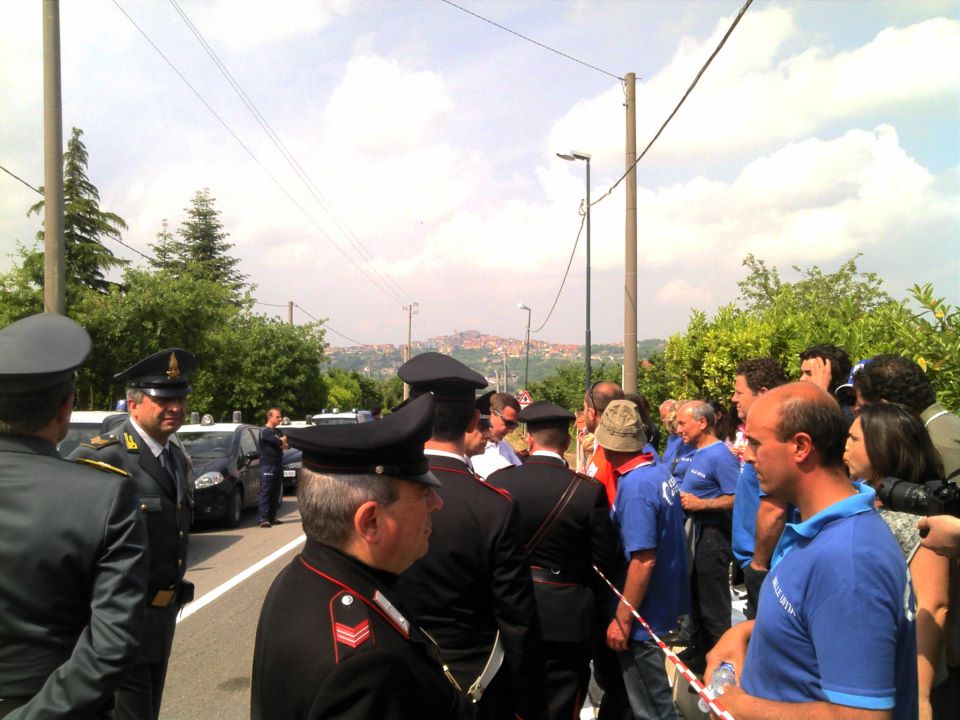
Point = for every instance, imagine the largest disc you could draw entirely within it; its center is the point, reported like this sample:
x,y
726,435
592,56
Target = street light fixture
x,y
526,365
573,156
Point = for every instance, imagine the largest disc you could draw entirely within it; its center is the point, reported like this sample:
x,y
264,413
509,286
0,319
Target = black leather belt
x,y
551,576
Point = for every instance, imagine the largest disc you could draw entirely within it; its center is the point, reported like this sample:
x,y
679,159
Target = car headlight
x,y
208,479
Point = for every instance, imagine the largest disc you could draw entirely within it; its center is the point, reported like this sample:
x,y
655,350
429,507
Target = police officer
x,y
334,640
565,526
272,444
157,389
72,548
472,591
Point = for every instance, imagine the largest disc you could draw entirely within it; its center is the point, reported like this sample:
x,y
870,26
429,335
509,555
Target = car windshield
x,y
210,444
335,421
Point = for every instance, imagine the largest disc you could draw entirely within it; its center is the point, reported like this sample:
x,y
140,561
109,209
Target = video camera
x,y
934,497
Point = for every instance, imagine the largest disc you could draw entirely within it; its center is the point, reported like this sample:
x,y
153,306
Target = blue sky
x,y
821,130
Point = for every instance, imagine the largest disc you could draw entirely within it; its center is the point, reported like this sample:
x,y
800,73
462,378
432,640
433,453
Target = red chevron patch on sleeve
x,y
352,636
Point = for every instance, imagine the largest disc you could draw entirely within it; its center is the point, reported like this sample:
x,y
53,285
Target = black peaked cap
x,y
544,414
39,352
448,379
164,374
392,446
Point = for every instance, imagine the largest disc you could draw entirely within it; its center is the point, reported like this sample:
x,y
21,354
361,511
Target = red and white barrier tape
x,y
714,704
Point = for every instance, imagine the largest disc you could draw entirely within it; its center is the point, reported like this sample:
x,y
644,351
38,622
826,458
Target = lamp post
x,y
573,156
526,364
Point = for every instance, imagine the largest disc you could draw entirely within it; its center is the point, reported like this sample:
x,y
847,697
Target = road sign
x,y
523,397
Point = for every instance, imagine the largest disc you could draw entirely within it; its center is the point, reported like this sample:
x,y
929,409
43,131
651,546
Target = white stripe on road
x,y
201,603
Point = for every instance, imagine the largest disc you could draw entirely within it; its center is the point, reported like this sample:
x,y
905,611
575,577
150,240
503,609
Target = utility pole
x,y
54,264
506,380
290,312
630,258
411,310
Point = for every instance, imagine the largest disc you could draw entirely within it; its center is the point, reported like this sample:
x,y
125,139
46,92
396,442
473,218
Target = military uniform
x,y
334,640
163,498
72,550
565,524
352,651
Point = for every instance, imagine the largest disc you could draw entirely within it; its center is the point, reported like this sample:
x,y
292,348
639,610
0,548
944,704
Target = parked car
x,y
292,458
342,418
226,461
84,424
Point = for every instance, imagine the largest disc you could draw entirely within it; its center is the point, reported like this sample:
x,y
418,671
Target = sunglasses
x,y
509,423
593,401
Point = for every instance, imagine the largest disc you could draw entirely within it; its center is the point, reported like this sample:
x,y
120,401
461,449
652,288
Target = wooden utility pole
x,y
54,264
630,235
290,312
411,310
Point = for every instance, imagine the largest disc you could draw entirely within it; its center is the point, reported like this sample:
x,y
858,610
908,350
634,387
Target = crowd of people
x,y
446,573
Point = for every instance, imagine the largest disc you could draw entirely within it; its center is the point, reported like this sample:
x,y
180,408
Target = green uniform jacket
x,y
165,504
73,569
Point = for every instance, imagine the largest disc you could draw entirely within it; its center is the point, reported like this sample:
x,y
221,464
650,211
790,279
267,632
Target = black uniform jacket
x,y
165,504
72,579
583,535
333,642
475,580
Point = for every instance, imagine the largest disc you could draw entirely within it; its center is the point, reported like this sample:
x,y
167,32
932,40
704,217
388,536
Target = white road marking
x,y
202,602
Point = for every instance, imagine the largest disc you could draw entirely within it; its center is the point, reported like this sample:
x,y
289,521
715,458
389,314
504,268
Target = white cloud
x,y
246,24
752,95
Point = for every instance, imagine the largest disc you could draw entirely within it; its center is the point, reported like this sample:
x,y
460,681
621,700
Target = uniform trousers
x,y
568,672
141,691
271,491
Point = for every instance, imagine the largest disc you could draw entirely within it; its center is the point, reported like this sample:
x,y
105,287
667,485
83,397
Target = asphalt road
x,y
209,672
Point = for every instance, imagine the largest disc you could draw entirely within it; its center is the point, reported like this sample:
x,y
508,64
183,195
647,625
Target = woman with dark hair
x,y
888,440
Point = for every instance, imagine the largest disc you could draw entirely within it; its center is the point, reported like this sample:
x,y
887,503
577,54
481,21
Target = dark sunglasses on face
x,y
509,423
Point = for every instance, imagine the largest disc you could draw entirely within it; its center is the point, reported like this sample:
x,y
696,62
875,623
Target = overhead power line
x,y
309,184
327,326
736,21
17,177
531,40
243,145
583,220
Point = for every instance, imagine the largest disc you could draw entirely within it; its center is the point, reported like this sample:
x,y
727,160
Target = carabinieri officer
x,y
334,640
157,389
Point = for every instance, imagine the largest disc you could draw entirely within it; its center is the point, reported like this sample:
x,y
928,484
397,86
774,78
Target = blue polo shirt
x,y
835,620
648,515
745,504
680,462
712,472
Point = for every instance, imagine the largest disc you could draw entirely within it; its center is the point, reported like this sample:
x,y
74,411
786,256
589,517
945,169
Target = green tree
x,y
203,250
566,386
85,225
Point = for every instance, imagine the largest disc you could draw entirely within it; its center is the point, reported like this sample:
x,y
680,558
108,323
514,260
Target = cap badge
x,y
173,370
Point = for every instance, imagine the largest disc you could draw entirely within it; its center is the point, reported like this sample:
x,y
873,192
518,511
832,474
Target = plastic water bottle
x,y
722,676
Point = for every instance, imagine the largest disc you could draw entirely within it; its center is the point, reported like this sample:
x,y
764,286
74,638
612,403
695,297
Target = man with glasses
x,y
498,453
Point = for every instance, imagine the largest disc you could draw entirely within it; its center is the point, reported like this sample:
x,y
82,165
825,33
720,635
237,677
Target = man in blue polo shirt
x,y
835,625
707,497
648,516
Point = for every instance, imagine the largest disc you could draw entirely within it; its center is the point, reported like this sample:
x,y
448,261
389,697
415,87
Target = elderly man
x,y
472,591
707,496
72,544
157,389
334,639
498,453
835,631
566,529
648,515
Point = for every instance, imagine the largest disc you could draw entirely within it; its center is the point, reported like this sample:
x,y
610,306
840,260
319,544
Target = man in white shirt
x,y
498,454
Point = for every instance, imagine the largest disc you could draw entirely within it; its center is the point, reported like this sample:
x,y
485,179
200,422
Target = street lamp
x,y
573,156
526,365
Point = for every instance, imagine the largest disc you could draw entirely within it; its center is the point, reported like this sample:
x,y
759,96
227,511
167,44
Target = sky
x,y
422,148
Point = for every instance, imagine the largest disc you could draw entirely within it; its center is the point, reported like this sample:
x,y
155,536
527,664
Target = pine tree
x,y
85,225
165,249
203,249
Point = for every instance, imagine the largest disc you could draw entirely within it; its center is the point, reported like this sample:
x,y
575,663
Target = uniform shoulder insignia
x,y
587,478
130,442
350,625
104,466
101,441
498,490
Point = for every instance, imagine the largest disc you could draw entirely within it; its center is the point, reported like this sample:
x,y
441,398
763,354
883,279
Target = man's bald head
x,y
811,410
